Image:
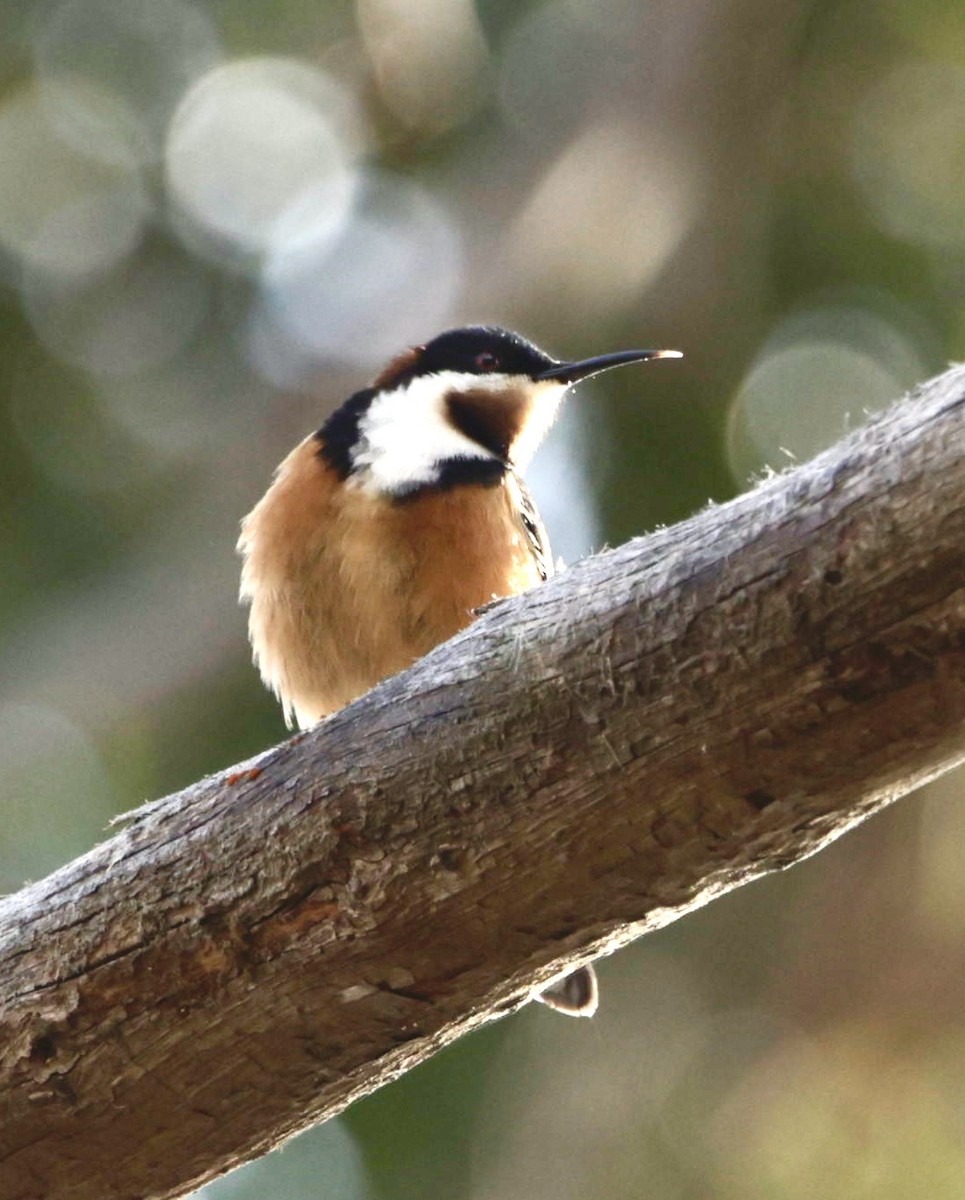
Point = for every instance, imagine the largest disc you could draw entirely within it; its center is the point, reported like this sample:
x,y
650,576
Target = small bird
x,y
386,531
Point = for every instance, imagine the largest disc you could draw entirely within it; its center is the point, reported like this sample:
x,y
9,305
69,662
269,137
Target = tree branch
x,y
655,726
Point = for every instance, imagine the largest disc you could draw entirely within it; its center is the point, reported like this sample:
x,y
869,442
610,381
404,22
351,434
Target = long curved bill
x,y
571,372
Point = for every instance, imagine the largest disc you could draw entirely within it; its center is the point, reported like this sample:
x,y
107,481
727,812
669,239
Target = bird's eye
x,y
487,361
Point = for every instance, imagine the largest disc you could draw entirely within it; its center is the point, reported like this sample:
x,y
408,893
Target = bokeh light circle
x,y
818,375
112,71
256,144
61,211
119,322
388,280
909,153
551,60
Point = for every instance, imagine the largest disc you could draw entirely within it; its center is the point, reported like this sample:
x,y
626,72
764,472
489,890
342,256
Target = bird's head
x,y
461,408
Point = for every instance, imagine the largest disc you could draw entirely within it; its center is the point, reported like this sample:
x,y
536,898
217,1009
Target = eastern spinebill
x,y
387,530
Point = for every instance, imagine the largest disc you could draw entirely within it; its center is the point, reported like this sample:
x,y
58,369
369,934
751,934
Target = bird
x,y
387,530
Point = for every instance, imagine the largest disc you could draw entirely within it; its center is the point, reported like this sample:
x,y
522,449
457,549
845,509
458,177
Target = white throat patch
x,y
406,435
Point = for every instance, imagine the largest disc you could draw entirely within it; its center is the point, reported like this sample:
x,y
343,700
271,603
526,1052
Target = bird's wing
x,y
535,530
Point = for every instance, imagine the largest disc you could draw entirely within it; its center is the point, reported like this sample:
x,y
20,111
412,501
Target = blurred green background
x,y
217,219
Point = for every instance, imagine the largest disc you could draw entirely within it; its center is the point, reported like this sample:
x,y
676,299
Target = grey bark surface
x,y
657,725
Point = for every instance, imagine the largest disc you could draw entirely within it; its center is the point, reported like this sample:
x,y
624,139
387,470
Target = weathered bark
x,y
657,725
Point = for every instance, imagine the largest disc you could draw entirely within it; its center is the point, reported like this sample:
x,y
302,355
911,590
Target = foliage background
x,y
216,219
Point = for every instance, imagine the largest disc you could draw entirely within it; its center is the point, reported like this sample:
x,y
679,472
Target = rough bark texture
x,y
657,725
